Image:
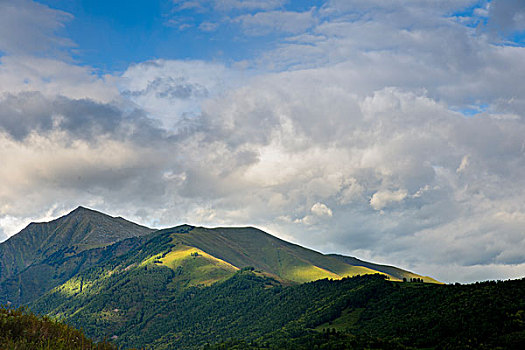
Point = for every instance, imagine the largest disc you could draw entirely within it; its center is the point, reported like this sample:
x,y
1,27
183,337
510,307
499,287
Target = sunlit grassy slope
x,y
249,246
397,273
195,266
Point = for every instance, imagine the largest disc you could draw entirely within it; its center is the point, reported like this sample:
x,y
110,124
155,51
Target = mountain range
x,y
45,255
189,287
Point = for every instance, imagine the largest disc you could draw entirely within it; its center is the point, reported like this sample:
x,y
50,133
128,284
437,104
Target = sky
x,y
393,131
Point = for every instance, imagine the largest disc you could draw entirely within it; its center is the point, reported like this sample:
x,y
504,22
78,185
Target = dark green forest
x,y
253,311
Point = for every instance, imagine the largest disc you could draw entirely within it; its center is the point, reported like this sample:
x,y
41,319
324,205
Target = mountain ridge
x,y
191,287
45,255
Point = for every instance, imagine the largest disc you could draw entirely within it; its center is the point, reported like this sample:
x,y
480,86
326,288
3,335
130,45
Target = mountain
x,y
80,230
249,246
191,287
135,295
44,255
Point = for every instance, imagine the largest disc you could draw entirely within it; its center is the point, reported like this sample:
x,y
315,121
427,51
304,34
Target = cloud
x,y
377,6
27,27
228,5
464,164
272,22
348,138
255,17
174,90
249,4
52,77
27,113
208,26
321,210
381,199
506,16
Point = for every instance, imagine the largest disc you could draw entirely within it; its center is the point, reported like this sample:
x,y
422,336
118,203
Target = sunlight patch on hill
x,y
361,270
194,266
309,273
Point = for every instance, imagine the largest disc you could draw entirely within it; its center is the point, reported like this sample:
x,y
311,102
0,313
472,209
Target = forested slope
x,y
22,330
255,311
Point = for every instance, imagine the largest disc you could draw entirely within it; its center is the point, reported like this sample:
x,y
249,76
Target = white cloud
x,y
53,77
383,198
229,5
321,210
464,164
171,91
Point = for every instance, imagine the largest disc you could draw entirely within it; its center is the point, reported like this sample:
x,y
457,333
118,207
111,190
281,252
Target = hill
x,y
250,246
368,312
44,255
252,311
192,287
22,330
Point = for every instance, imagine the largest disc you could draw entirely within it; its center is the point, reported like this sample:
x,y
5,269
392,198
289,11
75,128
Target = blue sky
x,y
392,131
110,35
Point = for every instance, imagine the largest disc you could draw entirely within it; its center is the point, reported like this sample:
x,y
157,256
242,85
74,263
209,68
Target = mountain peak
x,y
83,210
81,229
80,208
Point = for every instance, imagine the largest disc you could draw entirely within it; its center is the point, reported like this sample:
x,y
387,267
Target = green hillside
x,y
191,287
252,311
196,256
393,271
249,246
22,330
46,255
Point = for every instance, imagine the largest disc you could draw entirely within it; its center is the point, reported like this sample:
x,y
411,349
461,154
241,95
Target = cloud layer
x,y
27,27
392,131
